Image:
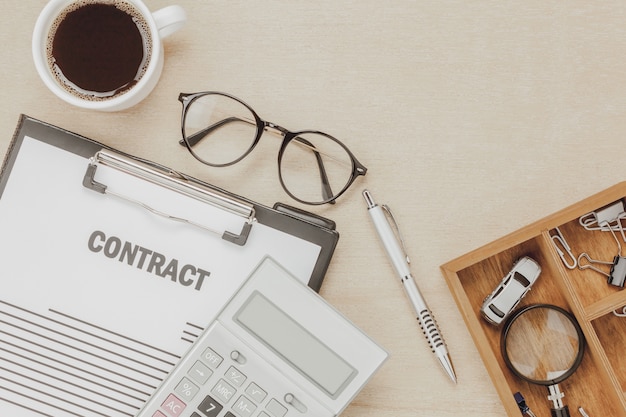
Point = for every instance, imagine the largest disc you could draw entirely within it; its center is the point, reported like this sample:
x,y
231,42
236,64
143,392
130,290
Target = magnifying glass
x,y
543,344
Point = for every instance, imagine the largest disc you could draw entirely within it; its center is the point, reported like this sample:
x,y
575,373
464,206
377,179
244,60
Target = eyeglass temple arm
x,y
327,191
194,139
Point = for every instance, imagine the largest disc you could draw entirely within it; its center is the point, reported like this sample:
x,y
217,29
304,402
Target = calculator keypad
x,y
216,384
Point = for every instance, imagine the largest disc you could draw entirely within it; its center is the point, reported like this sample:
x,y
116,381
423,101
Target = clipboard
x,y
103,290
285,218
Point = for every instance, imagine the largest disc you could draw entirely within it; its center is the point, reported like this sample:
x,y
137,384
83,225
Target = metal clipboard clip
x,y
173,181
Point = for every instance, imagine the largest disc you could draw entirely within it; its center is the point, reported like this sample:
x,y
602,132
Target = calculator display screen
x,y
294,344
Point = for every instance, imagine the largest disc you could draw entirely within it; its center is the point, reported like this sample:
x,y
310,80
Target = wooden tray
x,y
599,384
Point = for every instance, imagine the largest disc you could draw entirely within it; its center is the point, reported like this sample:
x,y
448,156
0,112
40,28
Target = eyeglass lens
x,y
313,167
219,130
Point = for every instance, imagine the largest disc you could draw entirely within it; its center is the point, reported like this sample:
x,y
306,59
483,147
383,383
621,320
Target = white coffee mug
x,y
160,24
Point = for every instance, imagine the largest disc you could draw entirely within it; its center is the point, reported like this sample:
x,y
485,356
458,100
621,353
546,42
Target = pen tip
x,y
452,377
447,366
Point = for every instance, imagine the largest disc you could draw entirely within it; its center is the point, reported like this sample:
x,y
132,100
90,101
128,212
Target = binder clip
x,y
617,273
610,216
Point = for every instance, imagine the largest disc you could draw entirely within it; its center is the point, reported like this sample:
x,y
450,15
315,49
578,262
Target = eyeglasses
x,y
220,130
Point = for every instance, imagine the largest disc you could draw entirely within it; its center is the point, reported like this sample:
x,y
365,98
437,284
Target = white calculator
x,y
277,349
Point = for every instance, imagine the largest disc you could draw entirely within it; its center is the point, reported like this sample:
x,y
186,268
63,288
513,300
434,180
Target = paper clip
x,y
620,314
617,274
582,412
611,215
557,239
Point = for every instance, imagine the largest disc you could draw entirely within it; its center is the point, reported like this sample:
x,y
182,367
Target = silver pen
x,y
400,261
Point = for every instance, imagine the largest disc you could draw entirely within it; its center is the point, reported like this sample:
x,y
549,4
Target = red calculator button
x,y
173,406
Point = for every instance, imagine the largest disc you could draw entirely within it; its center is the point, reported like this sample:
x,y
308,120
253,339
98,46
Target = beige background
x,y
474,119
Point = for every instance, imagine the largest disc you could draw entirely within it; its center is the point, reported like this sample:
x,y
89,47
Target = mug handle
x,y
169,19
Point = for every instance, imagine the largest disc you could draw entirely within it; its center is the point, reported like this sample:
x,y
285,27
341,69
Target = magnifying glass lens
x,y
543,345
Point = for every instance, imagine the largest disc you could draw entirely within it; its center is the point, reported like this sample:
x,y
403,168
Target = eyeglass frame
x,y
358,169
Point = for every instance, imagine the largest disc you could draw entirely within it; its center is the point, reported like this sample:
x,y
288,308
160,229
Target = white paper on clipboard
x,y
84,329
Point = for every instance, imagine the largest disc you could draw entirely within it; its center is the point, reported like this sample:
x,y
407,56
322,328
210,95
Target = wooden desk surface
x,y
474,119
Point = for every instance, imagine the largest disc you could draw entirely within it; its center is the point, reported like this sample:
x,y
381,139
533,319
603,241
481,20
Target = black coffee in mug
x,y
99,49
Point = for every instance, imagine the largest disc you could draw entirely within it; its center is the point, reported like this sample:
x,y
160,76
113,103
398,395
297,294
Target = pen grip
x,y
425,317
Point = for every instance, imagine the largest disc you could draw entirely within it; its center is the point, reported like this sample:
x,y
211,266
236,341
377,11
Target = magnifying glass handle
x,y
556,396
560,412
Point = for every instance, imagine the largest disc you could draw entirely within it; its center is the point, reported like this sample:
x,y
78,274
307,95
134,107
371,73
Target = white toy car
x,y
514,286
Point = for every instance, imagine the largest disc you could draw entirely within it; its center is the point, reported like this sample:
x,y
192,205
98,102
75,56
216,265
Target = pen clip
x,y
386,208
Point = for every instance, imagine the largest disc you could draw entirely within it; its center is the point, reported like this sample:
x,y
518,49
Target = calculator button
x,y
209,407
238,357
295,403
255,392
244,407
229,414
275,408
186,390
173,406
235,377
194,414
223,390
262,414
211,358
158,414
200,373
